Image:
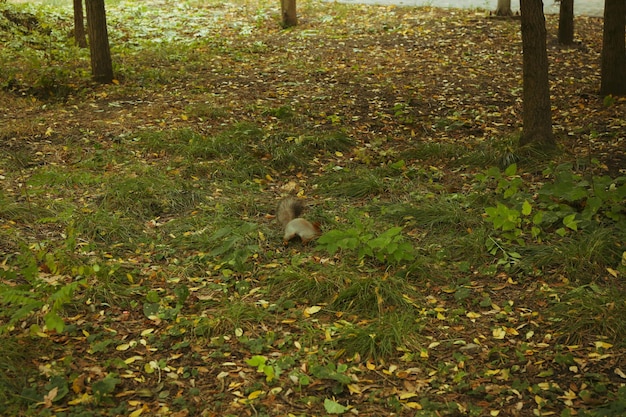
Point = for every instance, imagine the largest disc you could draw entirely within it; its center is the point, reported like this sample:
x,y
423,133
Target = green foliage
x,y
332,372
235,245
260,362
25,291
103,388
615,407
598,311
333,407
388,247
567,205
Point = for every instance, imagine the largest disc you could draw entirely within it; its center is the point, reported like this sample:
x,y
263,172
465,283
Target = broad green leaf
x,y
333,407
256,360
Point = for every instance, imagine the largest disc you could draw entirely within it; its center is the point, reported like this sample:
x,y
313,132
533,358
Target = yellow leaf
x,y
123,346
414,405
472,315
309,311
612,272
354,389
256,394
83,399
498,333
136,413
407,395
600,344
511,331
423,354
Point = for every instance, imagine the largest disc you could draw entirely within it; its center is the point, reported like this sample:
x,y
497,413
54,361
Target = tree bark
x,y
536,111
504,8
101,65
566,22
290,18
613,73
79,24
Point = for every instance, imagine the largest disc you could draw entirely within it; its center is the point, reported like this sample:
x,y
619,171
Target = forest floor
x,y
142,271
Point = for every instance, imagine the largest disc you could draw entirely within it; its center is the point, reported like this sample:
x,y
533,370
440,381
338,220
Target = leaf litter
x,y
165,327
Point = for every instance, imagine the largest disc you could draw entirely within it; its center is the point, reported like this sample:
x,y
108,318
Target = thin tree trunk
x,y
613,73
101,65
566,22
79,24
290,18
504,8
536,113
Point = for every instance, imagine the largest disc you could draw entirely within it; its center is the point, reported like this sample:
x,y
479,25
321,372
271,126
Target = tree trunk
x,y
536,112
566,22
504,8
101,65
613,73
290,18
79,24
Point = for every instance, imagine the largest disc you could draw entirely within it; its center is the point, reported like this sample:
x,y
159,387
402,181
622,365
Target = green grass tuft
x,y
599,314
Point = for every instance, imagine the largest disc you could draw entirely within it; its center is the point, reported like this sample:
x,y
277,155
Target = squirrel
x,y
288,214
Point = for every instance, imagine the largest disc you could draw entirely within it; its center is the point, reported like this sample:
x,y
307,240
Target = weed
x,y
598,313
378,338
387,247
565,208
34,294
374,297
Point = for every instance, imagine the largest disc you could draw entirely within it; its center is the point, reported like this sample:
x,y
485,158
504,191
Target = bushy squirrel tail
x,y
288,209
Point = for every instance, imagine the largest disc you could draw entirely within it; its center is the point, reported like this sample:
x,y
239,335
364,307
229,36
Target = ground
x,y
142,215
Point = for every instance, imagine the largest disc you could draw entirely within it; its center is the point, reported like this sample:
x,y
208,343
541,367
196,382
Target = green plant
x,y
615,407
566,205
25,290
330,371
270,370
233,246
388,247
598,310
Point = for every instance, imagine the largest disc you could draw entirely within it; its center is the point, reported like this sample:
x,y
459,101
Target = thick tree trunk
x,y
504,8
290,18
101,65
536,113
566,22
79,24
613,74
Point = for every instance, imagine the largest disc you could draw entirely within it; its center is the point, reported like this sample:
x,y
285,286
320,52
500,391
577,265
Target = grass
x,y
160,192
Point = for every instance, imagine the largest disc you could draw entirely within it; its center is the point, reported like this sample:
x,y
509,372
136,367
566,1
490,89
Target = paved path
x,y
581,7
